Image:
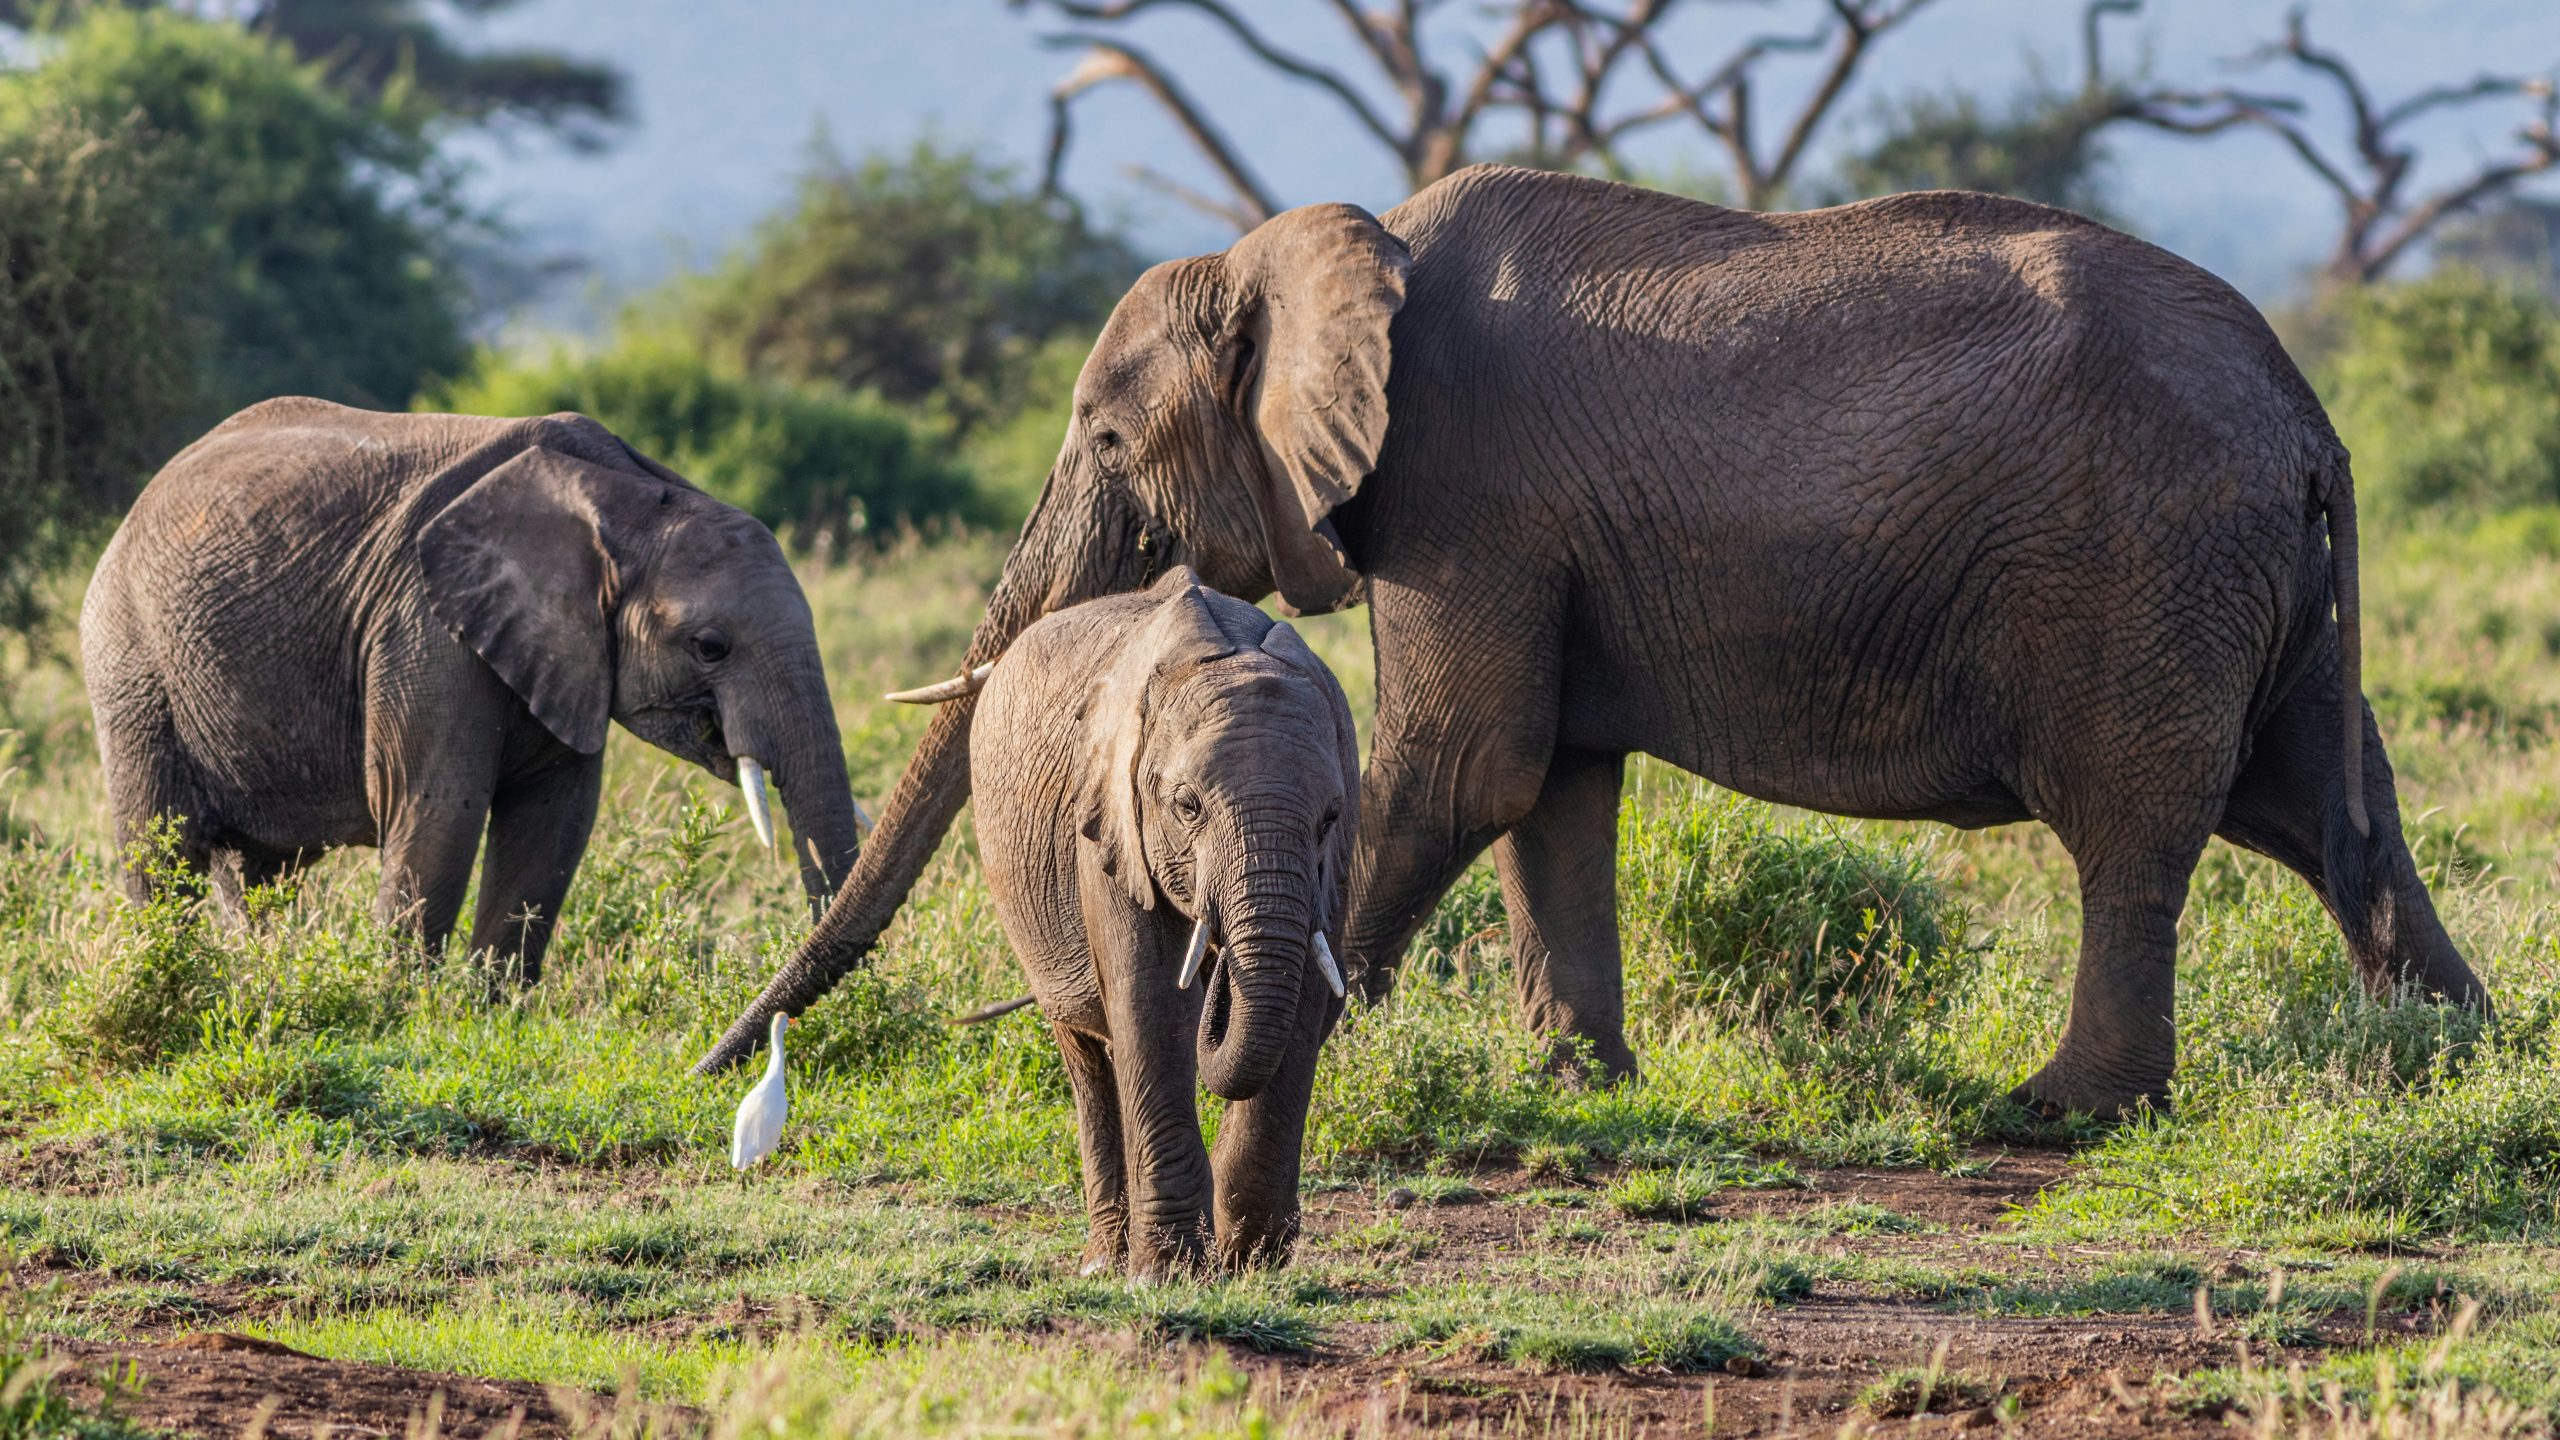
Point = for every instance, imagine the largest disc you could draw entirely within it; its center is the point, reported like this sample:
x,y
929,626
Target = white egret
x,y
760,1115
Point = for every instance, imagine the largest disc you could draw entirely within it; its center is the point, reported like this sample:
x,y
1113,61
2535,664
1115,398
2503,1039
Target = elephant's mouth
x,y
687,729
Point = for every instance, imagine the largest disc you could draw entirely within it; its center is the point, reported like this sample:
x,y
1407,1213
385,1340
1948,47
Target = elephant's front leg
x,y
1559,872
427,849
429,777
1459,755
1261,1144
538,829
1106,1177
1155,1071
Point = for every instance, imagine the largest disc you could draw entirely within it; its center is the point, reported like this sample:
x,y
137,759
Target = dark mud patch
x,y
223,1384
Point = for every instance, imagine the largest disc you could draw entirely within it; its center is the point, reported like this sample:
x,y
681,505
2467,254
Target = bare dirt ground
x,y
220,1384
2071,1375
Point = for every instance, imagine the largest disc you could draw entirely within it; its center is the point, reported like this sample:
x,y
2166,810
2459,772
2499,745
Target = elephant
x,y
1168,791
322,626
1942,506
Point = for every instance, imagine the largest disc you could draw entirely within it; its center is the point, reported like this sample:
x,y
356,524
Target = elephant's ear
x,y
1283,643
520,567
1315,288
1177,634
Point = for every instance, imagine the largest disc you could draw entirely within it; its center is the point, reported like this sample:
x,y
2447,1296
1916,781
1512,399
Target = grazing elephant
x,y
322,626
1166,795
1942,506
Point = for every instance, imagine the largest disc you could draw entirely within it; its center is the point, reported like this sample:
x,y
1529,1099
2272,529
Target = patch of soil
x,y
223,1384
2076,1376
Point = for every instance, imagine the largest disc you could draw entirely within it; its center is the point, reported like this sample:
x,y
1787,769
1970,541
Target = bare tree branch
x,y
1252,41
1107,60
1563,68
2379,222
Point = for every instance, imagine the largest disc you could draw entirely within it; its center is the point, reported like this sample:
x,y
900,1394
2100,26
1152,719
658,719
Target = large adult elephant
x,y
322,626
1941,506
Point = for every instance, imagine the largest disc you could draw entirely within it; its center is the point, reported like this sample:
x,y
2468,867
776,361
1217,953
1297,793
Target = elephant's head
x,y
1222,777
1232,404
600,594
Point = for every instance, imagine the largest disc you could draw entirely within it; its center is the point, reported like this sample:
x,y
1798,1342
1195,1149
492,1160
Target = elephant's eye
x,y
1107,449
1186,803
711,646
1324,827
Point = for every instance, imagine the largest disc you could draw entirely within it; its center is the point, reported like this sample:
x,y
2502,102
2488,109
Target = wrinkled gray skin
x,y
1148,763
322,626
1942,506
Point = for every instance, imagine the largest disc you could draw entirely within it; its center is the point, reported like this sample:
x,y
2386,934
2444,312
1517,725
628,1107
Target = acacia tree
x,y
1568,82
371,45
2381,216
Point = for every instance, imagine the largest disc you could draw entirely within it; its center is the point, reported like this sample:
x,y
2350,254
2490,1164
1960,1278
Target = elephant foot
x,y
1598,1061
1266,1246
1106,1243
2060,1090
1163,1253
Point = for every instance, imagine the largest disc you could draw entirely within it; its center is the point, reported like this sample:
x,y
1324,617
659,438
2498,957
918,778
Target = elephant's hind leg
x,y
2120,1045
1559,872
1106,1188
149,780
2289,804
2135,821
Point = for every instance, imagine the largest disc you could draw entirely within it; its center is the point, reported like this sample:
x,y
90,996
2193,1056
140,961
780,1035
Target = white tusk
x,y
1324,962
951,689
751,780
1191,957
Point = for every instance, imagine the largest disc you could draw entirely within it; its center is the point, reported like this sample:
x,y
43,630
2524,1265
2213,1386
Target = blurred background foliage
x,y
206,208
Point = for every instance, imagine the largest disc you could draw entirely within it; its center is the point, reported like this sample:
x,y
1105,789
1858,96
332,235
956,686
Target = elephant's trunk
x,y
1082,540
782,718
1251,1017
826,833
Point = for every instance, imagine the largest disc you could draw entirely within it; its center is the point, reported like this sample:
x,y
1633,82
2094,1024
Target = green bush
x,y
2447,390
825,465
316,220
161,976
1781,921
94,377
933,278
191,221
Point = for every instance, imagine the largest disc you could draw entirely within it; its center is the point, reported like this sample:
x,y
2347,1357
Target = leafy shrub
x,y
1782,921
933,278
2447,390
1010,452
1403,1077
1469,920
823,465
314,222
147,997
94,377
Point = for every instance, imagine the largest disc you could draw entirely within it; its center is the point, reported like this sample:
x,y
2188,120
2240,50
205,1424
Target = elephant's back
x,y
285,472
1975,308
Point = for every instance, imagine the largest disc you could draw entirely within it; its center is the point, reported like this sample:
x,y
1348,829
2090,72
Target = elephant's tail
x,y
2338,499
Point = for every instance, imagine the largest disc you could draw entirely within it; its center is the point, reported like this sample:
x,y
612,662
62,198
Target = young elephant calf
x,y
1165,785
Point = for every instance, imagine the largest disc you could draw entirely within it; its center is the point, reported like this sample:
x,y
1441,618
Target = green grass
x,y
363,1155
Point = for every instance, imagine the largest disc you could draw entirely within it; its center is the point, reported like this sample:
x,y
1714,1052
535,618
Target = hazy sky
x,y
730,93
